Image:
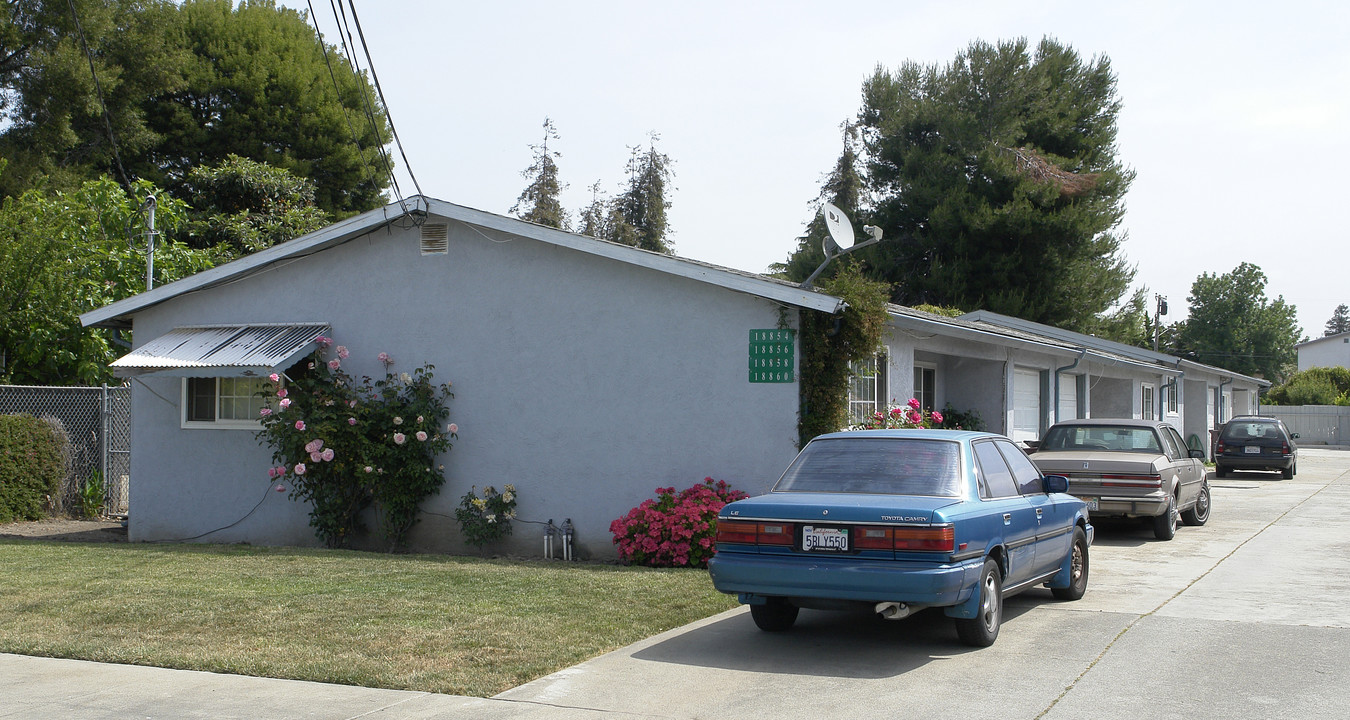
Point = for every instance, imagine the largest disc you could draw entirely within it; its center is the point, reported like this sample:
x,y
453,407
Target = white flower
x,y
491,518
398,421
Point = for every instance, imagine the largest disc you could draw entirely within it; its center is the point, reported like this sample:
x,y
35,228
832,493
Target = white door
x,y
1026,404
1068,398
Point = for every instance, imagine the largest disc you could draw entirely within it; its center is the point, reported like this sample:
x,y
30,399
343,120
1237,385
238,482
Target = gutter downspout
x,y
1081,353
1219,420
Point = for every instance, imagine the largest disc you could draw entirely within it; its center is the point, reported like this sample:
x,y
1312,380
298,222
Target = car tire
x,y
1288,473
1078,568
1220,471
1165,525
982,630
776,615
1199,513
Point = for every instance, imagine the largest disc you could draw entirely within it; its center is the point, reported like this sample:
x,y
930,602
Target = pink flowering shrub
x,y
673,530
910,415
341,443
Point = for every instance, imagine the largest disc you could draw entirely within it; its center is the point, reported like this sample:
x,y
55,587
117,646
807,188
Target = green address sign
x,y
773,356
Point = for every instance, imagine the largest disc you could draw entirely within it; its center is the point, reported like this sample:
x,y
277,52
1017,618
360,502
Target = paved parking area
x,y
1242,618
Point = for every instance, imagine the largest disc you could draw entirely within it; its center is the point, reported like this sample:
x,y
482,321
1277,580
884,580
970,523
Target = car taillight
x,y
731,531
1284,448
941,539
1132,480
753,533
1218,449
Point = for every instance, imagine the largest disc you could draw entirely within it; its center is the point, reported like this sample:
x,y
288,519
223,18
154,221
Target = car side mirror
x,y
1293,435
1197,454
1055,484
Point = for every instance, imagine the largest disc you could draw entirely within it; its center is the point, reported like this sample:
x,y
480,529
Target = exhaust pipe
x,y
893,610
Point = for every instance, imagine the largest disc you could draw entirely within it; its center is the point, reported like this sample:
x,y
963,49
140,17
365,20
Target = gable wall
x,y
584,381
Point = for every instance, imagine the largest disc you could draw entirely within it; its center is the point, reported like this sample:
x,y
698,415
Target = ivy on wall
x,y
831,342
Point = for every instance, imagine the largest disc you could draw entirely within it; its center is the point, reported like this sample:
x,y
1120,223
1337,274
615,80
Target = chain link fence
x,y
97,422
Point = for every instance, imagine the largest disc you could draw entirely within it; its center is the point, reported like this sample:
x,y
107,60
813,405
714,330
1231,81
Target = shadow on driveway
x,y
824,643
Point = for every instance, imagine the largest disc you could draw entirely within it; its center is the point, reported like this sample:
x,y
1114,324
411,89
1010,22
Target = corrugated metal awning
x,y
221,350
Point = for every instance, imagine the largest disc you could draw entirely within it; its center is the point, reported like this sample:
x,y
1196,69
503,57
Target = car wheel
x,y
1078,569
1199,513
1165,525
1220,471
776,615
1288,473
982,630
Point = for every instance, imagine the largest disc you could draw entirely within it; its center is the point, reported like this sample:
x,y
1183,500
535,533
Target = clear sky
x,y
1235,114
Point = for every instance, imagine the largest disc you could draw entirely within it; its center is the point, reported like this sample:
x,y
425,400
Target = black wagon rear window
x,y
1240,431
893,466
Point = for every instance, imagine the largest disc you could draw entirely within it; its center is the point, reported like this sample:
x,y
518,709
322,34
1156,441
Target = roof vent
x,y
435,239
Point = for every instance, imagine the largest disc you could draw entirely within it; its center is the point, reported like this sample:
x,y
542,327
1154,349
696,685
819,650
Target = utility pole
x,y
149,206
1159,310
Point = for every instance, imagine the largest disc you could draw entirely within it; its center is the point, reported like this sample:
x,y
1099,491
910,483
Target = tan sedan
x,y
1129,468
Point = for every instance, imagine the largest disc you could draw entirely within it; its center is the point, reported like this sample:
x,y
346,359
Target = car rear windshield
x,y
1123,438
1252,430
894,466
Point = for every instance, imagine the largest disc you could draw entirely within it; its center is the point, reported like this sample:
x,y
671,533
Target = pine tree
x,y
539,201
843,188
1339,322
642,206
996,183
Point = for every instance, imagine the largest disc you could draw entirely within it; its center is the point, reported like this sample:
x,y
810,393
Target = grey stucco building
x,y
585,373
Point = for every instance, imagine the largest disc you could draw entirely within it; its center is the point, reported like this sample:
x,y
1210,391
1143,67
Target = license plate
x,y
824,539
1252,449
1091,502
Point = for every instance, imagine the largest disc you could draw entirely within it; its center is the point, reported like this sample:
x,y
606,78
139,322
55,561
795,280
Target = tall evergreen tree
x,y
539,202
643,204
1339,322
996,182
844,188
1233,325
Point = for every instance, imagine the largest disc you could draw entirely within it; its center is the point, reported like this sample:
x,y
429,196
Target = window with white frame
x,y
1146,407
226,402
1170,393
866,388
925,386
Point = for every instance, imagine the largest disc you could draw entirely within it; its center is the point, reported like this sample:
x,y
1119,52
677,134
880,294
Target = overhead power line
x,y
348,44
374,76
107,119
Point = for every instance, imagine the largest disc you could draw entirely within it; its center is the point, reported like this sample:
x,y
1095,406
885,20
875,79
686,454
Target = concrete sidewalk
x,y
45,688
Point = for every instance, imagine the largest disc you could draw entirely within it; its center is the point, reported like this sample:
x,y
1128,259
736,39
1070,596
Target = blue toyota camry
x,y
901,520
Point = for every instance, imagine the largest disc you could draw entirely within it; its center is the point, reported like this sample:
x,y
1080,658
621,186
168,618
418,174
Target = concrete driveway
x,y
1242,618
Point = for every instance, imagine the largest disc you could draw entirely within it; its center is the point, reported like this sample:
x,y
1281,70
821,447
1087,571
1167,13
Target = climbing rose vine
x,y
346,444
674,530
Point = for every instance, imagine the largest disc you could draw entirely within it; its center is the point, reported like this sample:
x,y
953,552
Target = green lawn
x,y
416,622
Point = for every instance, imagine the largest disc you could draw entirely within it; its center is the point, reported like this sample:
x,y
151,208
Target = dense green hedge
x,y
31,466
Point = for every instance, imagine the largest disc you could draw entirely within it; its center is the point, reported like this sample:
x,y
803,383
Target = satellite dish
x,y
841,230
840,241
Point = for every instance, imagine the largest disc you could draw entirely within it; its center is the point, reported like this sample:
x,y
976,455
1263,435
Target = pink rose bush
x,y
911,415
342,442
673,530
